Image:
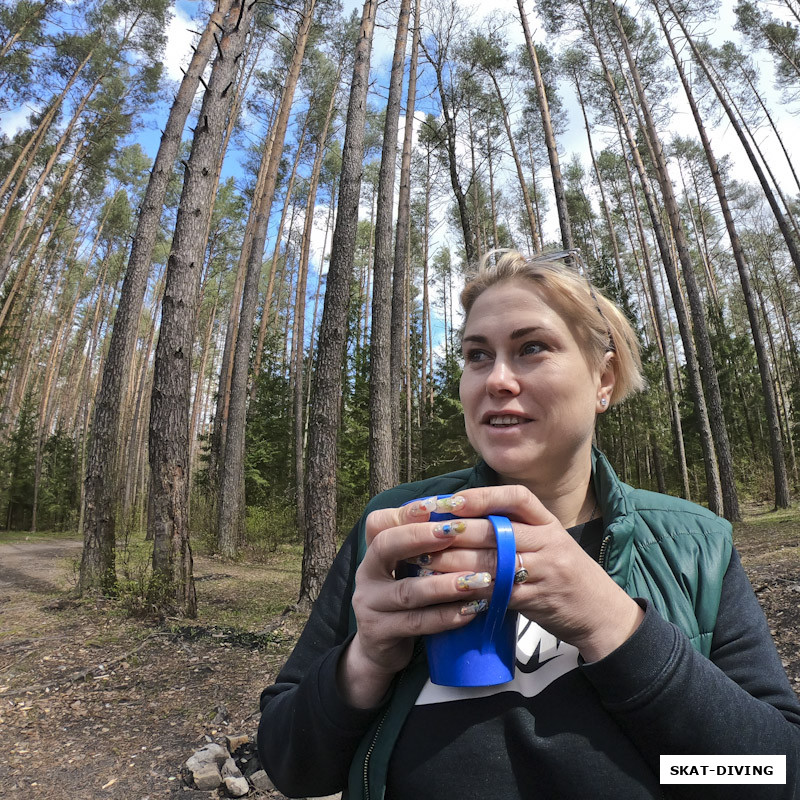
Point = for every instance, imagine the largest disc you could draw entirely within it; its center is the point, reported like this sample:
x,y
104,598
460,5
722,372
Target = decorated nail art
x,y
446,504
473,607
445,529
426,573
423,507
475,580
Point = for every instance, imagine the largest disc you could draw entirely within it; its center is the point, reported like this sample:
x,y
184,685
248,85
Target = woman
x,y
639,633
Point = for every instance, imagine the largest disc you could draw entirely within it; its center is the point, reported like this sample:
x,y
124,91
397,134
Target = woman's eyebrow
x,y
520,332
517,333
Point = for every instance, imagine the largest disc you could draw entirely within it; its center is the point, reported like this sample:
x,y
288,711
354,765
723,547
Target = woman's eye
x,y
532,348
474,356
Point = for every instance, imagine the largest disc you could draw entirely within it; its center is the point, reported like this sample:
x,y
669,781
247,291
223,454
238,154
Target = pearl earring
x,y
603,402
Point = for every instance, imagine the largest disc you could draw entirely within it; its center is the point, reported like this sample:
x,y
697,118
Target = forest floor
x,y
97,703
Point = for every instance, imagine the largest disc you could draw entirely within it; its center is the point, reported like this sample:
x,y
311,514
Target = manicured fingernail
x,y
473,607
475,580
423,507
426,573
445,529
425,558
445,504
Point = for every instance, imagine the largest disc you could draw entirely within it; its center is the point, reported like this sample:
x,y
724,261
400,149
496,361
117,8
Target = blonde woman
x,y
639,634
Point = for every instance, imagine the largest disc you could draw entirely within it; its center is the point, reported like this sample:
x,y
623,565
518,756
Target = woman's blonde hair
x,y
598,325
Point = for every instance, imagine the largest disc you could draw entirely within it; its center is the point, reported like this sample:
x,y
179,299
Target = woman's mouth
x,y
505,420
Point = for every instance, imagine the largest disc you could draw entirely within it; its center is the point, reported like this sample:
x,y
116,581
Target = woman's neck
x,y
571,500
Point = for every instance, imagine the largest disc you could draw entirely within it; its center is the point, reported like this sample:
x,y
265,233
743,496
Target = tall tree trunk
x,y
549,135
198,387
400,309
40,230
298,334
426,335
230,532
383,457
754,89
172,583
136,442
325,409
97,572
273,268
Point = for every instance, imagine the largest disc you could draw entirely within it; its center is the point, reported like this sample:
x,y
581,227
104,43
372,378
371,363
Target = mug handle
x,y
503,579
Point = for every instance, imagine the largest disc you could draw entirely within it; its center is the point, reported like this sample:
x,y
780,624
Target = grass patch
x,y
247,596
768,535
15,537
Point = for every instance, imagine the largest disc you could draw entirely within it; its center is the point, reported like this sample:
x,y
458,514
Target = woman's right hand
x,y
391,613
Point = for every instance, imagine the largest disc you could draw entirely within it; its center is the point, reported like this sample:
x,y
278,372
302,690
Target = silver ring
x,y
521,575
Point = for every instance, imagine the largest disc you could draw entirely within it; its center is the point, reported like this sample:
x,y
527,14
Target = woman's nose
x,y
502,379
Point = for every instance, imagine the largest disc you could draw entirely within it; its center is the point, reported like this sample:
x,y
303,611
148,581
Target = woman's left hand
x,y
567,592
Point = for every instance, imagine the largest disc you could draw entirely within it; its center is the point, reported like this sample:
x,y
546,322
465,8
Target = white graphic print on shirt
x,y
541,658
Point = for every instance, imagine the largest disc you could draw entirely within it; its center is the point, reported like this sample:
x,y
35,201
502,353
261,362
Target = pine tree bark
x,y
400,310
172,584
603,201
325,409
383,456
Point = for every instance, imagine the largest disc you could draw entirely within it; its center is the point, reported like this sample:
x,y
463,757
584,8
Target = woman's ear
x,y
606,382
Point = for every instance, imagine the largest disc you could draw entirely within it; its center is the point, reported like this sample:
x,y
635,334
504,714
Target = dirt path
x,y
94,704
37,566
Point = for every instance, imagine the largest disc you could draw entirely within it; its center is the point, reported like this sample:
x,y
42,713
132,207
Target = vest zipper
x,y
601,558
365,775
368,754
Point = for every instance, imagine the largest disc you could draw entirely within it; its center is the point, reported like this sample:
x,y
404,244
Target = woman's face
x,y
529,395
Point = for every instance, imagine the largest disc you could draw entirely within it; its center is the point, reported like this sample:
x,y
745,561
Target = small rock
x,y
235,742
207,777
211,753
229,769
203,766
795,588
262,781
236,787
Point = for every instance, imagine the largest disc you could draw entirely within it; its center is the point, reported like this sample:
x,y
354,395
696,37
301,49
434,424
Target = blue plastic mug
x,y
483,652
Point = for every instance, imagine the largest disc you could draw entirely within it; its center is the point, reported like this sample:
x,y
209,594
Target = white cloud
x,y
14,121
180,39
